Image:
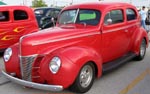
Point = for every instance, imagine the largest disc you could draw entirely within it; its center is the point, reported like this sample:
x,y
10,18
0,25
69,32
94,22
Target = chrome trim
x,y
30,55
76,15
20,42
26,66
13,74
32,84
72,37
120,28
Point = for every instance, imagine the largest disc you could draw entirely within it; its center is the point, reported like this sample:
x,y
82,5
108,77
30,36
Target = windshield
x,y
82,16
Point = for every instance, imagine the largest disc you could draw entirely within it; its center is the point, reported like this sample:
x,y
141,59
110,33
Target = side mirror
x,y
109,21
53,21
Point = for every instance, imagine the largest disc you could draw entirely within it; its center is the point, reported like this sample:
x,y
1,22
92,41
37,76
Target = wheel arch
x,y
73,58
95,67
141,34
86,55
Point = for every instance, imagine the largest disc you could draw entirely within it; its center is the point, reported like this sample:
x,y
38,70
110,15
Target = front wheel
x,y
85,79
142,50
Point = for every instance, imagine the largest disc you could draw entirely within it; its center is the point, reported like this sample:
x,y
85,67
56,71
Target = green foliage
x,y
39,3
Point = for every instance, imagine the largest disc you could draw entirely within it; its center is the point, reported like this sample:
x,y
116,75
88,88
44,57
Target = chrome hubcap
x,y
86,76
142,49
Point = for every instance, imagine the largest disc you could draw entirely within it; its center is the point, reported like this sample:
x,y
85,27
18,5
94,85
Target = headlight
x,y
55,64
7,54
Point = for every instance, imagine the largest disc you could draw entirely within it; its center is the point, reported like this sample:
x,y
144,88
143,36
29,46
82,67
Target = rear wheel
x,y
142,50
85,79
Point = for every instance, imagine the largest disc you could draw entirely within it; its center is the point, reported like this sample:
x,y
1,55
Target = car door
x,y
115,37
5,21
132,23
22,23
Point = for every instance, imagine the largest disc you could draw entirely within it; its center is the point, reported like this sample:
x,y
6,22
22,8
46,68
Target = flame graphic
x,y
3,33
8,37
18,29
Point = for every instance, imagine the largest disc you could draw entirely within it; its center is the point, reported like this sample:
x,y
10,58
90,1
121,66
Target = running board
x,y
113,64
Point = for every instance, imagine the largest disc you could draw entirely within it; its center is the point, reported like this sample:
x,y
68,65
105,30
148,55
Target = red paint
x,y
77,44
12,29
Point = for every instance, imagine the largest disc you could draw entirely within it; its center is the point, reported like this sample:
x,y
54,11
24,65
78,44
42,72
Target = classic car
x,y
15,21
89,39
44,15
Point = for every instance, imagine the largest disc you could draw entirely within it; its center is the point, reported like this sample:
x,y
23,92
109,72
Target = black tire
x,y
142,50
84,81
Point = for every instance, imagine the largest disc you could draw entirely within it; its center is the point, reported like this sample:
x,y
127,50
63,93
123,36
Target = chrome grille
x,y
26,66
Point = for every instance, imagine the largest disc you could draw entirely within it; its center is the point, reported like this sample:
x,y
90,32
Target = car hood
x,y
54,38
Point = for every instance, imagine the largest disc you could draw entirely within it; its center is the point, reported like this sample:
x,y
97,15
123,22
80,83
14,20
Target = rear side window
x,y
131,14
116,16
20,15
4,16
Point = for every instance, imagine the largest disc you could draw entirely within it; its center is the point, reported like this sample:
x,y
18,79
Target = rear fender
x,y
140,34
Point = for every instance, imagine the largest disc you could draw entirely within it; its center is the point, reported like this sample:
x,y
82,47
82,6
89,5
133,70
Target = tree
x,y
39,3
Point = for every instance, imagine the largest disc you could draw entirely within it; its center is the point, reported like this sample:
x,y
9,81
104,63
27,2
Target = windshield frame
x,y
98,16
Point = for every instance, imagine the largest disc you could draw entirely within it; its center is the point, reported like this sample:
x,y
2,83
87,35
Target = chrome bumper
x,y
33,85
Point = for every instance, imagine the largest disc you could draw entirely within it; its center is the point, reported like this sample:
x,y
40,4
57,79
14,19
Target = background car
x,y
15,21
44,15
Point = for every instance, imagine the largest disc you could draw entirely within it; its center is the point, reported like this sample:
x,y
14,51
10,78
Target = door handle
x,y
126,31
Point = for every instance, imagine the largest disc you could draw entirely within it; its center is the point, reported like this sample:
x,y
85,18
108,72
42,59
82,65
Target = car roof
x,y
13,6
45,8
99,5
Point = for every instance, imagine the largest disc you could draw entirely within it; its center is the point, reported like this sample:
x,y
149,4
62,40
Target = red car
x,y
88,40
15,21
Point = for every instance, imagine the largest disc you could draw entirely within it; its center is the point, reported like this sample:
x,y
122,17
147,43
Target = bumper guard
x,y
32,84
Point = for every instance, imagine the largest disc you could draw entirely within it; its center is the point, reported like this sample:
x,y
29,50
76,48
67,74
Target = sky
x,y
67,2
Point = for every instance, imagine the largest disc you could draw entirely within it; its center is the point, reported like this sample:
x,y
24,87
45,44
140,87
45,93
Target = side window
x,y
90,17
53,13
20,15
131,15
87,15
113,17
4,16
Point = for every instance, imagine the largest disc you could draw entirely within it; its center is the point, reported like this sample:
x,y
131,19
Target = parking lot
x,y
131,78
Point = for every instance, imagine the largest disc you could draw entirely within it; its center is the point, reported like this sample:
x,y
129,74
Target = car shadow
x,y
1,54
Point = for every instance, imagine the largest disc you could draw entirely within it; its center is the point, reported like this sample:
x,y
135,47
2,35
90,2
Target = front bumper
x,y
33,85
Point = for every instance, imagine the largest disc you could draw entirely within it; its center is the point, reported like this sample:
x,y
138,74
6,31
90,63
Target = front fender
x,y
13,65
72,58
82,55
